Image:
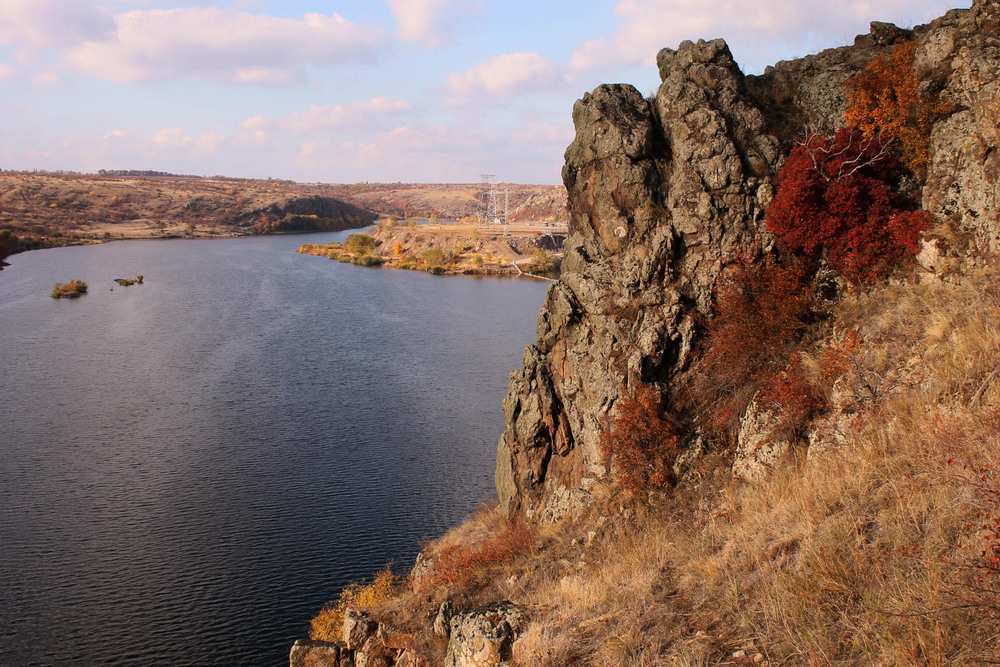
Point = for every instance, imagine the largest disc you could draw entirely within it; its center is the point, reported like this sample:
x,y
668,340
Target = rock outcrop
x,y
760,445
478,638
663,192
484,637
960,55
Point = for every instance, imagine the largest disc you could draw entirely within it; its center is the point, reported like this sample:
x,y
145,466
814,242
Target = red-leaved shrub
x,y
841,196
791,394
641,443
463,562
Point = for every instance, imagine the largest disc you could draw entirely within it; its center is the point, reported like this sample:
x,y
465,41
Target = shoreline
x,y
452,250
52,243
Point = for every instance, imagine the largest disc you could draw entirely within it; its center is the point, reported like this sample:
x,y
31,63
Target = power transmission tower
x,y
489,203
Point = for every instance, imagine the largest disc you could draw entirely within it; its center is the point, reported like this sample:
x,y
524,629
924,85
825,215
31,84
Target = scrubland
x,y
878,544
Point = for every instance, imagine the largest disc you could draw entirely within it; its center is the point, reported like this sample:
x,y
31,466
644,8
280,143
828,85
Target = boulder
x,y
311,653
761,444
358,628
484,638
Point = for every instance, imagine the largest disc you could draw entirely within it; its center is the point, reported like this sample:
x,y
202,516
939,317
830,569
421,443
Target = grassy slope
x,y
879,550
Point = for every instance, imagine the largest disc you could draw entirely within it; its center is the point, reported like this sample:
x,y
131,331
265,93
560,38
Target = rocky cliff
x,y
664,192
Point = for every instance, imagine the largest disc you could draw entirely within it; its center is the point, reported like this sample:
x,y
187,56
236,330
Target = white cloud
x,y
317,118
172,136
52,23
420,21
755,31
169,148
223,45
505,75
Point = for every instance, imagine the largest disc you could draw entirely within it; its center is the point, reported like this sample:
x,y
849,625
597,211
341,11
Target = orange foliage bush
x,y
884,100
641,443
328,624
462,562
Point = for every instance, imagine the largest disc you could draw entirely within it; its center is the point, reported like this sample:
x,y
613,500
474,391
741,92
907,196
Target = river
x,y
191,467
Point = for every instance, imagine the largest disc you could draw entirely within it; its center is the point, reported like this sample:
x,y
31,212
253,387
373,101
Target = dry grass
x,y
879,547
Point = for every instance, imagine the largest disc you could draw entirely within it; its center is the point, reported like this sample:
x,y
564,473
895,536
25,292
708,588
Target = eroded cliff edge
x,y
664,192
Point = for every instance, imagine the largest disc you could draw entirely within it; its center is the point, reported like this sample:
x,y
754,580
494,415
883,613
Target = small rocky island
x,y
71,290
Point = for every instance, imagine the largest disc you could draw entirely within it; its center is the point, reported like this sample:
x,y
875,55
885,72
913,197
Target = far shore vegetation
x,y
365,250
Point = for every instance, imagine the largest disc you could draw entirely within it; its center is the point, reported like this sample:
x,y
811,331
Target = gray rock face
x,y
663,192
961,54
760,444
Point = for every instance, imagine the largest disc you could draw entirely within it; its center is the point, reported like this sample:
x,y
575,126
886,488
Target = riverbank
x,y
533,249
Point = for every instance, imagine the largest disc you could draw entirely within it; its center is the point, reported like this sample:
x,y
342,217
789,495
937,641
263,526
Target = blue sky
x,y
351,90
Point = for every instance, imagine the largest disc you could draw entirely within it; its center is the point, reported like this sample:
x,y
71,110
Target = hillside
x,y
759,422
44,210
453,201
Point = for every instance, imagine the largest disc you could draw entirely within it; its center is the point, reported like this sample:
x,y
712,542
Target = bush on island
x,y
70,290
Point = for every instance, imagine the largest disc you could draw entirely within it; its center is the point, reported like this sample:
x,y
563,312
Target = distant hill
x,y
55,208
526,203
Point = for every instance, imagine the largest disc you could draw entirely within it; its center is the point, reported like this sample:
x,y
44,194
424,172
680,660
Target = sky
x,y
348,91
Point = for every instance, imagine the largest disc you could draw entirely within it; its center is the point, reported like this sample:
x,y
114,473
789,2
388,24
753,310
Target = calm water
x,y
191,467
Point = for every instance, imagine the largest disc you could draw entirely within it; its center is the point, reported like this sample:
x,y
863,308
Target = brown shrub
x,y
761,311
641,444
460,563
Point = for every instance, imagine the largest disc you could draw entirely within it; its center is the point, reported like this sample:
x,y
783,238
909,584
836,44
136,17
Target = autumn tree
x,y
641,443
840,197
360,244
885,101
